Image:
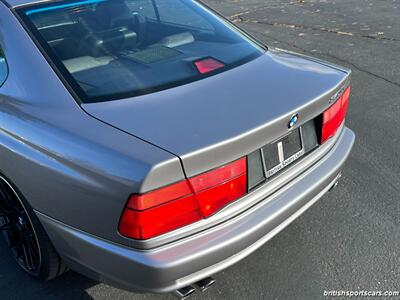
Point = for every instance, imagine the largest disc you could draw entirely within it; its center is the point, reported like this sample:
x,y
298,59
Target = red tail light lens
x,y
334,116
163,210
215,198
218,176
218,187
161,196
149,223
208,65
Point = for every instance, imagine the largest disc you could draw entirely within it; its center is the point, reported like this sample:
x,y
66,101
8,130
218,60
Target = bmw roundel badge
x,y
293,120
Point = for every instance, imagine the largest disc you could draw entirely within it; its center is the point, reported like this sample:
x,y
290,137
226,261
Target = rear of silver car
x,y
285,176
269,111
187,255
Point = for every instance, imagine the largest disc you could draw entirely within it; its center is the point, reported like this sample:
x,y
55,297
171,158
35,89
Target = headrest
x,y
114,14
109,41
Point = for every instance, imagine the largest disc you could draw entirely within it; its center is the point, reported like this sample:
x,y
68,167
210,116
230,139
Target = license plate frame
x,y
280,145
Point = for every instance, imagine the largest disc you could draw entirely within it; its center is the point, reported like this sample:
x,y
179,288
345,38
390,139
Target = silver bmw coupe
x,y
149,144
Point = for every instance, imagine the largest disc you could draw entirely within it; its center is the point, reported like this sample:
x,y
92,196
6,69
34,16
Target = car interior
x,y
124,45
93,36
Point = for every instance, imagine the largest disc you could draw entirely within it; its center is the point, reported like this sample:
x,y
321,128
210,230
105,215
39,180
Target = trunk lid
x,y
216,120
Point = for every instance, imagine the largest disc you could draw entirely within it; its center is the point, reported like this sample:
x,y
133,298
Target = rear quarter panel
x,y
67,164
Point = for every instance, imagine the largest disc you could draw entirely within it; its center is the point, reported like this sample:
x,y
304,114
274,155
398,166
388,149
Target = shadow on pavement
x,y
15,284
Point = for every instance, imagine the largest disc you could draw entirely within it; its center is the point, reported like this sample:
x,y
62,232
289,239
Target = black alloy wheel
x,y
25,237
17,230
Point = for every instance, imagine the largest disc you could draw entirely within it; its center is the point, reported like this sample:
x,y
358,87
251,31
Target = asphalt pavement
x,y
350,239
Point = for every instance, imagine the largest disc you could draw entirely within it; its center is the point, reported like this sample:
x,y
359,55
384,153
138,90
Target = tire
x,y
25,237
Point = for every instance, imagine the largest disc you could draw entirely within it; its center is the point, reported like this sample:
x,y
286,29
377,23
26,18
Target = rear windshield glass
x,y
112,49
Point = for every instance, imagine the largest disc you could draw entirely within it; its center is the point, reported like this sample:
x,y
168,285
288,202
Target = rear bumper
x,y
186,261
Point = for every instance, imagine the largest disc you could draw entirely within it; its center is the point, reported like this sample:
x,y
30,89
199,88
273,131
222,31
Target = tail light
x,y
168,208
334,116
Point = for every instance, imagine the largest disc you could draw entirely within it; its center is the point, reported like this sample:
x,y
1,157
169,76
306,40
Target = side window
x,y
3,68
178,13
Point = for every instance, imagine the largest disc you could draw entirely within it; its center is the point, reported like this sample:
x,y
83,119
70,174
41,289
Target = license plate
x,y
282,153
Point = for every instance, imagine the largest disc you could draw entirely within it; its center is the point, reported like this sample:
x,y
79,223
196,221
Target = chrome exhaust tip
x,y
184,292
204,284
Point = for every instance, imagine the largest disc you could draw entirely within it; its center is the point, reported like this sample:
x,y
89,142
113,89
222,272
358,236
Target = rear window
x,y
113,49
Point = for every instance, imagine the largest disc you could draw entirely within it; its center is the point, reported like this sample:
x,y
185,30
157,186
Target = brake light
x,y
216,188
215,198
157,197
149,223
188,201
334,116
207,65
